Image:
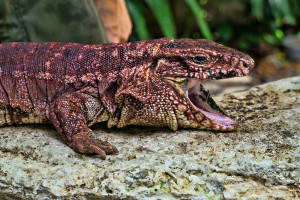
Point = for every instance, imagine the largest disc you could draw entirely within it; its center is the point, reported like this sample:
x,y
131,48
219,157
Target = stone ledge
x,y
259,161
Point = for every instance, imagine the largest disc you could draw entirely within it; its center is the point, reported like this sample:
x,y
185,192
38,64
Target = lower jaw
x,y
212,115
207,121
220,122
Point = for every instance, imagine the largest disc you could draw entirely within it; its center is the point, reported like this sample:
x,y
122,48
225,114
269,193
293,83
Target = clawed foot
x,y
86,143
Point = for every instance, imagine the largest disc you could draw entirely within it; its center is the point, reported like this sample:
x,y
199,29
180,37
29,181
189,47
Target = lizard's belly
x,y
10,116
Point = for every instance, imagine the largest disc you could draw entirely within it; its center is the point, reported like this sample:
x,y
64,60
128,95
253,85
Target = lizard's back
x,y
33,75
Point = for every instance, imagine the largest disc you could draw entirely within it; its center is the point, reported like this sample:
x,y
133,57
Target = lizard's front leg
x,y
70,114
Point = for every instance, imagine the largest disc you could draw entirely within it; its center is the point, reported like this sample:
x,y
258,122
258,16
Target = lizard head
x,y
165,90
183,63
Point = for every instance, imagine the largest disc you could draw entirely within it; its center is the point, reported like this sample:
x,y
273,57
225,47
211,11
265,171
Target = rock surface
x,y
259,161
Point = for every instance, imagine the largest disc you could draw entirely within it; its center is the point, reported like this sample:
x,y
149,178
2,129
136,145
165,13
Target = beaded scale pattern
x,y
149,83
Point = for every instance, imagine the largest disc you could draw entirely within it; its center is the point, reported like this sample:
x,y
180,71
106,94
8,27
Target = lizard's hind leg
x,y
70,114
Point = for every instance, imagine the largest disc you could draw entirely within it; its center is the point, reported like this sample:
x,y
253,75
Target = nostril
x,y
245,65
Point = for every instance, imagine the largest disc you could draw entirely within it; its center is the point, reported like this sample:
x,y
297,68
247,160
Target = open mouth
x,y
201,101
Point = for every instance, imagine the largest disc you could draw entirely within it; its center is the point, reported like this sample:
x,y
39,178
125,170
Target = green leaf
x,y
276,12
163,15
279,34
271,39
286,11
257,8
138,19
198,13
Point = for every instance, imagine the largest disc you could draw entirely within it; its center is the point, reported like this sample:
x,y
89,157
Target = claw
x,y
115,150
109,149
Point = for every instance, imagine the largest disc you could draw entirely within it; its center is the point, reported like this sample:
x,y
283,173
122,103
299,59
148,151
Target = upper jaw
x,y
200,101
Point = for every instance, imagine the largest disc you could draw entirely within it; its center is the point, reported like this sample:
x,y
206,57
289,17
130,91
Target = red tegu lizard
x,y
144,83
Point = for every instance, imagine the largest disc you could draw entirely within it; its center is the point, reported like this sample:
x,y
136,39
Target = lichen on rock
x,y
259,161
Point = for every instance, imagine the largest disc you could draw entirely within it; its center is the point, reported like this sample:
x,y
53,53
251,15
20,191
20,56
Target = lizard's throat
x,y
201,101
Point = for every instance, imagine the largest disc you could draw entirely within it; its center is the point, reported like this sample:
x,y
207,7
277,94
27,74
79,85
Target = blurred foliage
x,y
240,23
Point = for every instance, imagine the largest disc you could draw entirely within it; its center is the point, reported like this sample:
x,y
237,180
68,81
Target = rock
x,y
259,161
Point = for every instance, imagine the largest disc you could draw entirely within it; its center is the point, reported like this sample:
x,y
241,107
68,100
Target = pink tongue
x,y
218,118
194,89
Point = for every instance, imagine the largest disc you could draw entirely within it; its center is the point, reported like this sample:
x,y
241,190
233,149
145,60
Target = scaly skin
x,y
147,83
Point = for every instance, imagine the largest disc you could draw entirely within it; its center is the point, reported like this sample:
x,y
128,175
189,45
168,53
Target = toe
x,y
108,148
87,144
99,151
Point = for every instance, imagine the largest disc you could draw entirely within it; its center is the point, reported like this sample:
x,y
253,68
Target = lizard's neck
x,y
114,65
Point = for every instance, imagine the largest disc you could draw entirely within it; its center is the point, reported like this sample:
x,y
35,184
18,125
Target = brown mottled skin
x,y
152,83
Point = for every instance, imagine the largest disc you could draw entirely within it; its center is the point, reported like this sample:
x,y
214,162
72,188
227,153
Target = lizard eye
x,y
200,59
